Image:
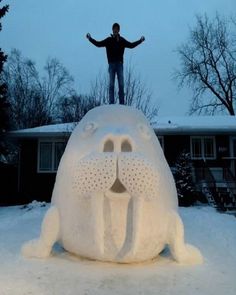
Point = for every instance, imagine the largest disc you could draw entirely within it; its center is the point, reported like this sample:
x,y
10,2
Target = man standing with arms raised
x,y
115,47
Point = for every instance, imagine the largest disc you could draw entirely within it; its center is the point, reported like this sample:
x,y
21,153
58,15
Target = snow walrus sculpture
x,y
114,197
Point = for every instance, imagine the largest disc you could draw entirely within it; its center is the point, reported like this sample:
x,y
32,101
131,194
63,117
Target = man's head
x,y
115,28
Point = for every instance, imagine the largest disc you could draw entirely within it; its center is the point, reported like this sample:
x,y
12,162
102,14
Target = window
x,y
45,156
49,154
203,147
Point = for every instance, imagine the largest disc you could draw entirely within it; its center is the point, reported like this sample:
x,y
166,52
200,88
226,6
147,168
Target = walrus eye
x,y
144,131
89,128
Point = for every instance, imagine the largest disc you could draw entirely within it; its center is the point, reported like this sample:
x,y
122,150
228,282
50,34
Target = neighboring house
x,y
210,140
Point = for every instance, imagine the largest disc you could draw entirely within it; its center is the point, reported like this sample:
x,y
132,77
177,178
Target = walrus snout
x,y
117,143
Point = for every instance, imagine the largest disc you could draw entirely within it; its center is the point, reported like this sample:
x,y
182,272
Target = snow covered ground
x,y
214,233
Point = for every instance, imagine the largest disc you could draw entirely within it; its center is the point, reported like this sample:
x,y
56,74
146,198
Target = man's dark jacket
x,y
115,47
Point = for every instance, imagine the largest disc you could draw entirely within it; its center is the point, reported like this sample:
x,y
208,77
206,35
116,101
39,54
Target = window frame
x,y
53,142
202,141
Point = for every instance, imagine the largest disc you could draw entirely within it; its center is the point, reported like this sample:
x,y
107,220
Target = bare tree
x,y
137,94
73,108
208,65
32,98
99,89
57,83
19,75
4,105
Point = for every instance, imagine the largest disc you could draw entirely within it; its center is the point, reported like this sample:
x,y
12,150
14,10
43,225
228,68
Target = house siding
x,y
222,146
174,145
8,187
33,185
39,186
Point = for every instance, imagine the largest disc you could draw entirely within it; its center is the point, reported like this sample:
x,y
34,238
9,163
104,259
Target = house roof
x,y
162,126
195,125
57,130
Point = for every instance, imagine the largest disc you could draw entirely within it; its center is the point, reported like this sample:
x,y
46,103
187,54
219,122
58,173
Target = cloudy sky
x,y
44,28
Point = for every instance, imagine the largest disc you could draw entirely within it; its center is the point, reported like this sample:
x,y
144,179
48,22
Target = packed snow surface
x,y
212,232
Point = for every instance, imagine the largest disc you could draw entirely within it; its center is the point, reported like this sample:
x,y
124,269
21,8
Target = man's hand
x,y
88,36
142,39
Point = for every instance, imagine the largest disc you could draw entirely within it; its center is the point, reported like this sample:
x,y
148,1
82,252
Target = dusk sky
x,y
40,29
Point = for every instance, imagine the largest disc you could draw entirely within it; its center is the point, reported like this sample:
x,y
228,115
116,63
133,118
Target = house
x,y
210,140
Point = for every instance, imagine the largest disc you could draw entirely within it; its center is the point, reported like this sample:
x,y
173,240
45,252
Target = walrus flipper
x,y
181,252
41,247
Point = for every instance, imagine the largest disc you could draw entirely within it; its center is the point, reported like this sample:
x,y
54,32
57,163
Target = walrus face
x,y
115,166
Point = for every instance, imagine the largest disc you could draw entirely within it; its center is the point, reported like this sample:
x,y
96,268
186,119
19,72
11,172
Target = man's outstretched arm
x,y
134,44
95,42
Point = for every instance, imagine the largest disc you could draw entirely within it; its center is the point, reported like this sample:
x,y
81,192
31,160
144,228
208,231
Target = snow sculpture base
x,y
114,198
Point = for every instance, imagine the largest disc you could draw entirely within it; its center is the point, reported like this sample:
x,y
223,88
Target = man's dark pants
x,y
116,69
